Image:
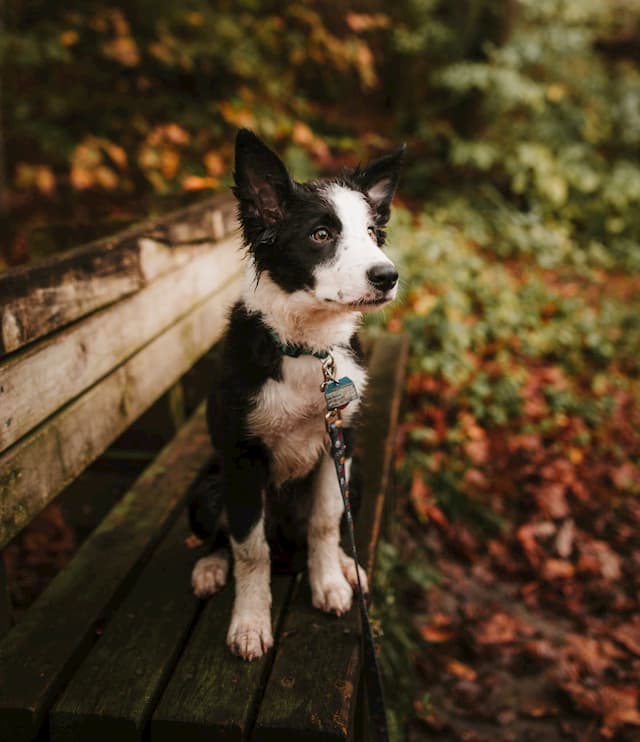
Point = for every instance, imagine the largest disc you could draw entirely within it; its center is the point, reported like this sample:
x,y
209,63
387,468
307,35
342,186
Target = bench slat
x,y
37,299
112,694
34,384
39,654
213,694
313,687
34,470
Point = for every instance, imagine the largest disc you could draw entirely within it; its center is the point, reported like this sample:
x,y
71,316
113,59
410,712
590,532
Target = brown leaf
x,y
588,652
557,569
424,502
460,670
192,541
620,707
599,558
629,635
435,634
564,539
551,499
500,628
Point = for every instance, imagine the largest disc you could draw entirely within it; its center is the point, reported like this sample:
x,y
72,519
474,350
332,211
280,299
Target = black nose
x,y
383,276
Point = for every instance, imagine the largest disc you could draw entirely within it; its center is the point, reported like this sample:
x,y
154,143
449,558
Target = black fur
x,y
278,218
279,215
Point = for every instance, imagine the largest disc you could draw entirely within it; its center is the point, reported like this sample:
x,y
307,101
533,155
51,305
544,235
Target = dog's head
x,y
324,237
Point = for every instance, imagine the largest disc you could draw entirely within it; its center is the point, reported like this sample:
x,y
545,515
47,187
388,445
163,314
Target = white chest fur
x,y
288,415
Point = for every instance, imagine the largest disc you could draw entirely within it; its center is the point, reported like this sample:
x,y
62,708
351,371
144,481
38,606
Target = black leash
x,y
338,393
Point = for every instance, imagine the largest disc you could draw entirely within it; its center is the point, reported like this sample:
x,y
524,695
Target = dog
x,y
314,265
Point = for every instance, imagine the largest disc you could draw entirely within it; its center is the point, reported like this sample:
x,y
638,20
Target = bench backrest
x,y
91,338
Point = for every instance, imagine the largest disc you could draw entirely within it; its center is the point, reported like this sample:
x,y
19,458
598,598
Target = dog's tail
x,y
205,504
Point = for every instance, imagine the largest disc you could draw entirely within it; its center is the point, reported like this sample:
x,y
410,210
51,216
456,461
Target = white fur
x,y
288,415
249,634
298,317
344,279
210,573
330,591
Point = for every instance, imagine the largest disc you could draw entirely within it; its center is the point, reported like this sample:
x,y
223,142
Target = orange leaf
x,y
435,634
460,670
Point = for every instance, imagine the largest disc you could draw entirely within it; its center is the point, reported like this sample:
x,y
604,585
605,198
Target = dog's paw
x,y
332,594
210,574
250,639
348,566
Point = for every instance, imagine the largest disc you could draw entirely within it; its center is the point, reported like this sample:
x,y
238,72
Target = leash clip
x,y
328,370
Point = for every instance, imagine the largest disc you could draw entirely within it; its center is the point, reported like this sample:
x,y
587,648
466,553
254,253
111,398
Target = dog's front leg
x,y
331,574
249,634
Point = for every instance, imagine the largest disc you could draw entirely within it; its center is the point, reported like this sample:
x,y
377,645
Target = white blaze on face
x,y
344,279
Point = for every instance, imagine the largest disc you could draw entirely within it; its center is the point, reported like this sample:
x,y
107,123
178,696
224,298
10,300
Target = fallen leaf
x,y
564,538
557,569
435,634
460,670
500,628
192,541
629,635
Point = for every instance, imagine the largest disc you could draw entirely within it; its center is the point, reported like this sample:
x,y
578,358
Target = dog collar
x,y
294,350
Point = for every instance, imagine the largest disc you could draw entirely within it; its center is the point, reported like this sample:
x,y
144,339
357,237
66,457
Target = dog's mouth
x,y
363,304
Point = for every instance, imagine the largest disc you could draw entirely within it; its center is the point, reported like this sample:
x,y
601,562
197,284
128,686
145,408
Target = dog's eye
x,y
321,234
372,233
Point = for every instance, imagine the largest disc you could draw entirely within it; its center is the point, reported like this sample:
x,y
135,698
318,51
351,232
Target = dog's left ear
x,y
379,180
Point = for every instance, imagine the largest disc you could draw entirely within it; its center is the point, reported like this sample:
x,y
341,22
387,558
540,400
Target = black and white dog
x,y
314,265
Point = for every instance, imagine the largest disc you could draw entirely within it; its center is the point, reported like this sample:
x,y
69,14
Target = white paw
x,y
348,566
332,593
210,573
250,638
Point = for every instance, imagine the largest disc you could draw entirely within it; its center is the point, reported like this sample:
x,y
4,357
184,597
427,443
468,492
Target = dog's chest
x,y
289,415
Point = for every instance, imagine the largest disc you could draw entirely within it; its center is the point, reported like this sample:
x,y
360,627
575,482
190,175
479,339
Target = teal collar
x,y
294,350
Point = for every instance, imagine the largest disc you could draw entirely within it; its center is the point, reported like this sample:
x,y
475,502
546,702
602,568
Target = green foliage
x,y
501,350
398,578
509,107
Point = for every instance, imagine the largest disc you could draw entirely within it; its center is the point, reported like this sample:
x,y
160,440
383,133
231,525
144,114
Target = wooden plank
x,y
377,439
34,470
112,694
39,654
6,612
34,384
212,694
313,686
37,299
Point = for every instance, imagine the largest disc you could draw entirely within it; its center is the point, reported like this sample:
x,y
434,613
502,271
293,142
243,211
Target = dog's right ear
x,y
262,183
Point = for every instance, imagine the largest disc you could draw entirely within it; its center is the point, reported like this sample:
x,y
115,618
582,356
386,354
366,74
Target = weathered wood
x,y
377,439
37,299
6,613
313,685
39,654
213,695
34,470
112,694
312,689
34,384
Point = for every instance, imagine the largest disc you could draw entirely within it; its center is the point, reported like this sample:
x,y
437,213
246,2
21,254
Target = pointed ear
x,y
262,183
379,180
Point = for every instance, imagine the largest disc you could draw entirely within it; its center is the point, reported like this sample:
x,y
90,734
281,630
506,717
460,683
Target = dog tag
x,y
339,393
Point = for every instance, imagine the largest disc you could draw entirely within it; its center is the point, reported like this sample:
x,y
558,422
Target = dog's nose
x,y
383,276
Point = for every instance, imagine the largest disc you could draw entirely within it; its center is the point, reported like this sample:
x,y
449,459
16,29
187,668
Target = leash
x,y
338,393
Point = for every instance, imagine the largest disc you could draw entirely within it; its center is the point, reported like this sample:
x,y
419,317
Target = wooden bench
x,y
117,647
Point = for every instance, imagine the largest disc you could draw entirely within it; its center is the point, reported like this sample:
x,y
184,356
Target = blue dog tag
x,y
339,393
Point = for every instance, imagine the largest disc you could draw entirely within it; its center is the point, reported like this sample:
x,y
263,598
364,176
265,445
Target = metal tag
x,y
339,393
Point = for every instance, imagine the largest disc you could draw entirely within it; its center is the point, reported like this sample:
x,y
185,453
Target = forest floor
x,y
532,637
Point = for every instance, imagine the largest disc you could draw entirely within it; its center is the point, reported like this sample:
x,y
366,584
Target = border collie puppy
x,y
314,265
